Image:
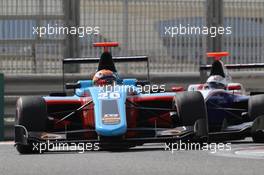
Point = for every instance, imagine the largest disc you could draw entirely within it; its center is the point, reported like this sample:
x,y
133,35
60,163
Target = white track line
x,y
251,151
7,143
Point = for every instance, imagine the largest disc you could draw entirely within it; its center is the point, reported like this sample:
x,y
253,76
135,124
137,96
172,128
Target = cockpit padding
x,y
106,62
217,69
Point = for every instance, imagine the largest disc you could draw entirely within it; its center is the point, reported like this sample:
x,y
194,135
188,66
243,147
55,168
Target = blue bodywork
x,y
109,100
117,102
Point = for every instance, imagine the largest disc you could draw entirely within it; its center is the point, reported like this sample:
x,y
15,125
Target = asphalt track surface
x,y
244,158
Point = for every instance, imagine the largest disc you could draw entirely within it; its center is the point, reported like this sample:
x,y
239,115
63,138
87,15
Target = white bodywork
x,y
234,88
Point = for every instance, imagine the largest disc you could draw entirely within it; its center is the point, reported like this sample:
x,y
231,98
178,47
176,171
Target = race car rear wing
x,y
235,66
115,59
96,60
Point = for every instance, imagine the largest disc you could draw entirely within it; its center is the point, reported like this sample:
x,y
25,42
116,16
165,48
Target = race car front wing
x,y
196,133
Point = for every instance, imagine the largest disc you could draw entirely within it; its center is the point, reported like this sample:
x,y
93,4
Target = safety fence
x,y
140,26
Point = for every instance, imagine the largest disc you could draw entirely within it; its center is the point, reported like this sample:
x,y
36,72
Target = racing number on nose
x,y
106,95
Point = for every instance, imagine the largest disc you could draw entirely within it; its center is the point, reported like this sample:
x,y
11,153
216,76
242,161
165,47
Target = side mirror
x,y
177,89
142,82
72,85
234,87
58,94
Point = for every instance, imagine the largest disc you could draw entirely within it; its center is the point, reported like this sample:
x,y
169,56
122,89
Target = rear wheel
x,y
191,111
31,113
256,113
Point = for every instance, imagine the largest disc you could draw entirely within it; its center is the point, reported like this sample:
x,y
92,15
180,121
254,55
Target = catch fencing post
x,y
214,18
2,107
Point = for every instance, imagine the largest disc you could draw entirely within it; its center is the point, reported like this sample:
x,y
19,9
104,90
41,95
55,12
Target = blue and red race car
x,y
110,111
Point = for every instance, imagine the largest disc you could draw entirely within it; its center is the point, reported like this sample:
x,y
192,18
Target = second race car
x,y
232,113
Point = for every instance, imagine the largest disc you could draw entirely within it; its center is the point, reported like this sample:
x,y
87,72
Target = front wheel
x,y
191,110
31,114
256,114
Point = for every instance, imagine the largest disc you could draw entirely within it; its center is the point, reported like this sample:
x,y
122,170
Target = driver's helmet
x,y
104,77
216,82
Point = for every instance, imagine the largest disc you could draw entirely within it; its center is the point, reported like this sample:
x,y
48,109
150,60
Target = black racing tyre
x,y
256,114
190,107
258,136
255,106
26,149
31,112
192,111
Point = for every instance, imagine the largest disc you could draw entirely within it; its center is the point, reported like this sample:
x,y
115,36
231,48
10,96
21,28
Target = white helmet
x,y
216,82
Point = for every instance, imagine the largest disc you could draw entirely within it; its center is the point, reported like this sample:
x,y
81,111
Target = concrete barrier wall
x,y
38,85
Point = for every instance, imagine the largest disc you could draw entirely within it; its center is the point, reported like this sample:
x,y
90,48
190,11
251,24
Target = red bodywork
x,y
136,118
